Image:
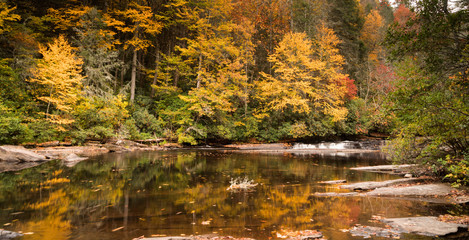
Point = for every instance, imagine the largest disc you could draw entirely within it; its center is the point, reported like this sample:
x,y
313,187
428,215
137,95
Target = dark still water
x,y
174,193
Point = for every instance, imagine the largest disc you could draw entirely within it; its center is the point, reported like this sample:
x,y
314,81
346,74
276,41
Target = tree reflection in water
x,y
174,192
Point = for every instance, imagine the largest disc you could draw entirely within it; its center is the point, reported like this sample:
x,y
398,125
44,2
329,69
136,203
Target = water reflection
x,y
122,196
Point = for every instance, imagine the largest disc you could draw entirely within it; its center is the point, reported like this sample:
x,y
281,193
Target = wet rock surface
x,y
334,194
202,237
428,226
391,169
332,182
4,234
374,185
63,152
15,158
368,232
436,189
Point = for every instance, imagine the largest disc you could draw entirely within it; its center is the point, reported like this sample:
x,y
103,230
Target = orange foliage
x,y
402,15
351,89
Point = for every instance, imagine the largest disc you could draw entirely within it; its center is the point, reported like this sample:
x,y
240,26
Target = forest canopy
x,y
244,70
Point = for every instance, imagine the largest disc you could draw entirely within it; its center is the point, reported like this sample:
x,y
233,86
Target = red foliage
x,y
383,79
351,88
402,15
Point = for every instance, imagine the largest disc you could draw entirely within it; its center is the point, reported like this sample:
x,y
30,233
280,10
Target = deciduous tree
x,y
59,73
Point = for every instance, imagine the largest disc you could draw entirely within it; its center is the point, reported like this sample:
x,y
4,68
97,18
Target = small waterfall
x,y
370,144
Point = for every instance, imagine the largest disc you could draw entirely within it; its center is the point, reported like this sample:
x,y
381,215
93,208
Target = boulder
x,y
19,154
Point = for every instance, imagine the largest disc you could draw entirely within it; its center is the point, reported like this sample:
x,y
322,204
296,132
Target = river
x,y
184,192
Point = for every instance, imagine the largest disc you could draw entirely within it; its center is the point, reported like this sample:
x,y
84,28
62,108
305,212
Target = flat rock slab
x,y
423,190
333,182
4,234
428,226
19,154
374,185
63,152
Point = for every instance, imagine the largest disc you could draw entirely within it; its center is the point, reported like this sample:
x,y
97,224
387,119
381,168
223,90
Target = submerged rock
x,y
428,226
334,194
4,234
368,232
334,181
19,154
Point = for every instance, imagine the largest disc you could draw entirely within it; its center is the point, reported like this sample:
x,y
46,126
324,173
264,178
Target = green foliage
x,y
358,118
205,60
100,59
12,128
99,118
432,107
455,168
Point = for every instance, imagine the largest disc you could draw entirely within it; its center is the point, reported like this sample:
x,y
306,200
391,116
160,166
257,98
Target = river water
x,y
184,192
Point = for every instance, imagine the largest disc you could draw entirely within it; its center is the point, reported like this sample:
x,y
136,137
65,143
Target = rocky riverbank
x,y
15,158
422,189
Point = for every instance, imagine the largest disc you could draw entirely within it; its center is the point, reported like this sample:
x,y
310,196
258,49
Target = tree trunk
x,y
133,77
176,77
155,77
122,70
199,70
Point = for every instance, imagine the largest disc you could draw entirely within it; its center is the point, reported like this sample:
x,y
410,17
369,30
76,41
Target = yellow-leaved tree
x,y
372,34
141,23
306,76
221,54
6,15
59,73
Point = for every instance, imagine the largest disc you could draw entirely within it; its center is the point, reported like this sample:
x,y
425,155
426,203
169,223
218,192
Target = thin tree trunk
x,y
122,69
199,71
133,77
155,77
176,77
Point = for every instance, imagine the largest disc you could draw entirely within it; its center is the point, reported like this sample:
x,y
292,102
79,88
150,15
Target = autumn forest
x,y
198,72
